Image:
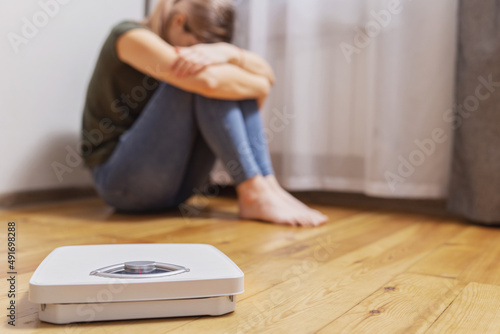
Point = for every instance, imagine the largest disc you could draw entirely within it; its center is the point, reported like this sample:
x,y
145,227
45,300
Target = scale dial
x,y
140,269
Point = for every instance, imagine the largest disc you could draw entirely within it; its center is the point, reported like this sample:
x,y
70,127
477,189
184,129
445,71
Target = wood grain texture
x,y
461,255
475,310
297,280
408,304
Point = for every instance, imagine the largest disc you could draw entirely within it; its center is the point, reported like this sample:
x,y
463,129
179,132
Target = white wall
x,y
43,84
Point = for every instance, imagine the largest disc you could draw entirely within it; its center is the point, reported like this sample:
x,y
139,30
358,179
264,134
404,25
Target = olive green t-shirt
x,y
116,95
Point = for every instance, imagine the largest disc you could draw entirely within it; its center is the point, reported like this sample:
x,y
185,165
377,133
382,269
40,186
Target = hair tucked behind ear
x,y
209,20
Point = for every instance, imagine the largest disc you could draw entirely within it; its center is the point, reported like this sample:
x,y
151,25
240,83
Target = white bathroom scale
x,y
137,281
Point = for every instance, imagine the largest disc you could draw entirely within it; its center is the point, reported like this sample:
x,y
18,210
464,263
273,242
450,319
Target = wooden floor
x,y
366,271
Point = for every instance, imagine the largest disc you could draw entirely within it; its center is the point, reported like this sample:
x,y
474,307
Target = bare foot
x,y
289,198
258,200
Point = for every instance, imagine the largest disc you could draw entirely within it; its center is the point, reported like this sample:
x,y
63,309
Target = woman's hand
x,y
194,59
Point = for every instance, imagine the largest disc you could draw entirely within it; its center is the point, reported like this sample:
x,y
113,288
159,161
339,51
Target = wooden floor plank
x,y
309,300
485,267
475,310
460,253
297,280
294,259
408,304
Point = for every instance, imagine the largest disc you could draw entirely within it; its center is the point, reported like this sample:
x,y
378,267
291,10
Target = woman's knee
x,y
248,105
204,103
176,90
174,95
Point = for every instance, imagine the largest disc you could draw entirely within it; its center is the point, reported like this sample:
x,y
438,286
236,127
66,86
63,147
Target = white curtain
x,y
364,94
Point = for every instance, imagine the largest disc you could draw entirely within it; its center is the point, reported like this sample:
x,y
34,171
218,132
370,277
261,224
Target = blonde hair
x,y
209,20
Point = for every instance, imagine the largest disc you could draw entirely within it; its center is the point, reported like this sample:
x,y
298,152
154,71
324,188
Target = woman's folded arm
x,y
149,54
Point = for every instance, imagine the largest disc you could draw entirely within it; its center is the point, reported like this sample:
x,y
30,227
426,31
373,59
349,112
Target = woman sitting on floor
x,y
170,95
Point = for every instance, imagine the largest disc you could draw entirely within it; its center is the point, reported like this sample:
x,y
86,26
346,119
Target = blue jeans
x,y
171,148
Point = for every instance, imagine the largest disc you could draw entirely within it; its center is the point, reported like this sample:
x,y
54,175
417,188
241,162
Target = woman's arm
x,y
222,52
148,53
229,82
252,63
